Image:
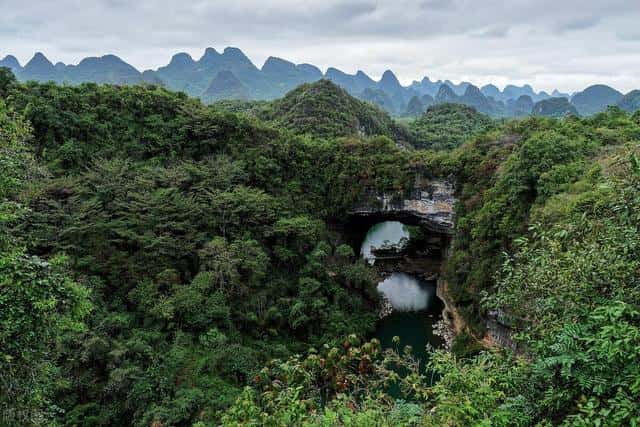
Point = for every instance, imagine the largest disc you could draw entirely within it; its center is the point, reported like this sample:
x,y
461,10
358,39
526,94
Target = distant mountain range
x,y
232,75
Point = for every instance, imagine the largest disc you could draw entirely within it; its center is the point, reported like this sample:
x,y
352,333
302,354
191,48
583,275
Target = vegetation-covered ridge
x,y
180,248
165,262
326,110
547,240
448,126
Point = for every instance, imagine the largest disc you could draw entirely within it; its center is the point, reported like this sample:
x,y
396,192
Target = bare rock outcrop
x,y
430,205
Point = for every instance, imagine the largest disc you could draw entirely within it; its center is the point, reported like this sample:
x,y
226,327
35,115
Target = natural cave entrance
x,y
422,255
417,228
407,256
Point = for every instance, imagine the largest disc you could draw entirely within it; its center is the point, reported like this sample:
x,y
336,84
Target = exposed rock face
x,y
452,322
498,330
430,205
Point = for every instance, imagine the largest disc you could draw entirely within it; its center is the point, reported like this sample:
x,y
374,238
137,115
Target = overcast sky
x,y
568,44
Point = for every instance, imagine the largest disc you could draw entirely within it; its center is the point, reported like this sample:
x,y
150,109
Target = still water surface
x,y
415,310
388,232
415,305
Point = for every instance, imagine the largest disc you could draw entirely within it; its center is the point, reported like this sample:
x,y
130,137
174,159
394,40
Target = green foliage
x,y
39,302
447,126
464,345
7,79
72,125
17,169
502,181
348,387
325,110
547,229
597,362
202,235
484,391
239,106
557,218
166,263
350,380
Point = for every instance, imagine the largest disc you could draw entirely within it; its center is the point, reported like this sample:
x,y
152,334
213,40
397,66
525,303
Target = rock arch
x,y
429,205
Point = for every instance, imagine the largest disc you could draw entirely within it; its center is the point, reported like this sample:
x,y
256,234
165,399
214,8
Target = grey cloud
x,y
353,9
530,40
436,4
578,24
495,32
116,3
628,36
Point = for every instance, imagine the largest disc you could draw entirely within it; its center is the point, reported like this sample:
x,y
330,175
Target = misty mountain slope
x,y
284,75
473,97
11,62
446,95
107,69
522,106
225,86
631,101
595,98
202,78
418,105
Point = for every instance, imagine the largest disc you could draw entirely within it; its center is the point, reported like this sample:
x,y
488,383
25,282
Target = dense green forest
x,y
447,126
168,263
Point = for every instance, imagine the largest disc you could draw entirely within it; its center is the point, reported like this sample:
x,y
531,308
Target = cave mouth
x,y
391,237
407,258
423,254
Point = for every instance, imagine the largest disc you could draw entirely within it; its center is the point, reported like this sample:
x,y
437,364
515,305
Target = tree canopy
x,y
165,262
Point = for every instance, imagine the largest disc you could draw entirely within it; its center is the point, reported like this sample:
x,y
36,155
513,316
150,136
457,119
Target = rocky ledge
x,y
430,205
385,307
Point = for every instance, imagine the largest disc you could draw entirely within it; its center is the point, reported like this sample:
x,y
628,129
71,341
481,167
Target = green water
x,y
415,310
388,232
415,305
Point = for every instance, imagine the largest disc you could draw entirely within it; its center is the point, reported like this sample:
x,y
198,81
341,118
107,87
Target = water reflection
x,y
384,233
415,305
416,309
406,293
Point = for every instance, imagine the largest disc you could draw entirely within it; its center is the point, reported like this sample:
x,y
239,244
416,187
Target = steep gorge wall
x,y
431,206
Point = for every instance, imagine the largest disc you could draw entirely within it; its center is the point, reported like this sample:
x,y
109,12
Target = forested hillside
x,y
323,109
187,247
169,263
448,126
546,237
